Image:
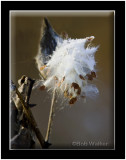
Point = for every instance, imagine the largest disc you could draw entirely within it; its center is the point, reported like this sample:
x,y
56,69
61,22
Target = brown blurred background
x,y
92,121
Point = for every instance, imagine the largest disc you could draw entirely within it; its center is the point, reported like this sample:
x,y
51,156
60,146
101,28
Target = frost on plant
x,y
67,65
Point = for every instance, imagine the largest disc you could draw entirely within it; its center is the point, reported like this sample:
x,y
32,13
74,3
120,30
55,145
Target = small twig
x,y
29,90
30,117
50,116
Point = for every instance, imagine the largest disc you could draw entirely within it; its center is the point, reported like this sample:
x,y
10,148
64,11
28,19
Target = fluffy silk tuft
x,y
70,68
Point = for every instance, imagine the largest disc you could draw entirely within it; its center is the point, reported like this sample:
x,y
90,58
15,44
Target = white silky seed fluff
x,y
70,59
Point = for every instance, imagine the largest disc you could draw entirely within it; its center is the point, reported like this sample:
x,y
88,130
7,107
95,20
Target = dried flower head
x,y
70,67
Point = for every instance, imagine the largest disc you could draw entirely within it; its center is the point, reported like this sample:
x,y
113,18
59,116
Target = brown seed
x,y
93,74
81,77
90,77
42,87
76,86
41,68
79,91
73,100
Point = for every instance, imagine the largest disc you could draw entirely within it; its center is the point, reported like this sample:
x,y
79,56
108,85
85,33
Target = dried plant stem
x,y
43,75
31,119
50,116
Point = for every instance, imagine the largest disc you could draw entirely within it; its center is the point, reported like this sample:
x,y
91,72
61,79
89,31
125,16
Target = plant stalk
x,y
50,116
30,118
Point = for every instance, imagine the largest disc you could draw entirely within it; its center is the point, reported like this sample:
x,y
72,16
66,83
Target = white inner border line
x,y
10,70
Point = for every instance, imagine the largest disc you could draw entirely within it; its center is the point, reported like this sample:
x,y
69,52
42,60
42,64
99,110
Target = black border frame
x,y
119,7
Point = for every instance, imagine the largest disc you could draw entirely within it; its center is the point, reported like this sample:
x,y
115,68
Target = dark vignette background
x,y
84,122
119,7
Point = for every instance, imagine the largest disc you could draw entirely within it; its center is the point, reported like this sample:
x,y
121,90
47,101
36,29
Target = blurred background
x,y
85,123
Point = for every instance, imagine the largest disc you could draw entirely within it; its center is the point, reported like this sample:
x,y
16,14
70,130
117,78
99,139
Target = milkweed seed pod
x,y
70,65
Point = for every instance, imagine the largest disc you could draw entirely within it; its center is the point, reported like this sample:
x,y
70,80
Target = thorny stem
x,y
31,119
50,116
